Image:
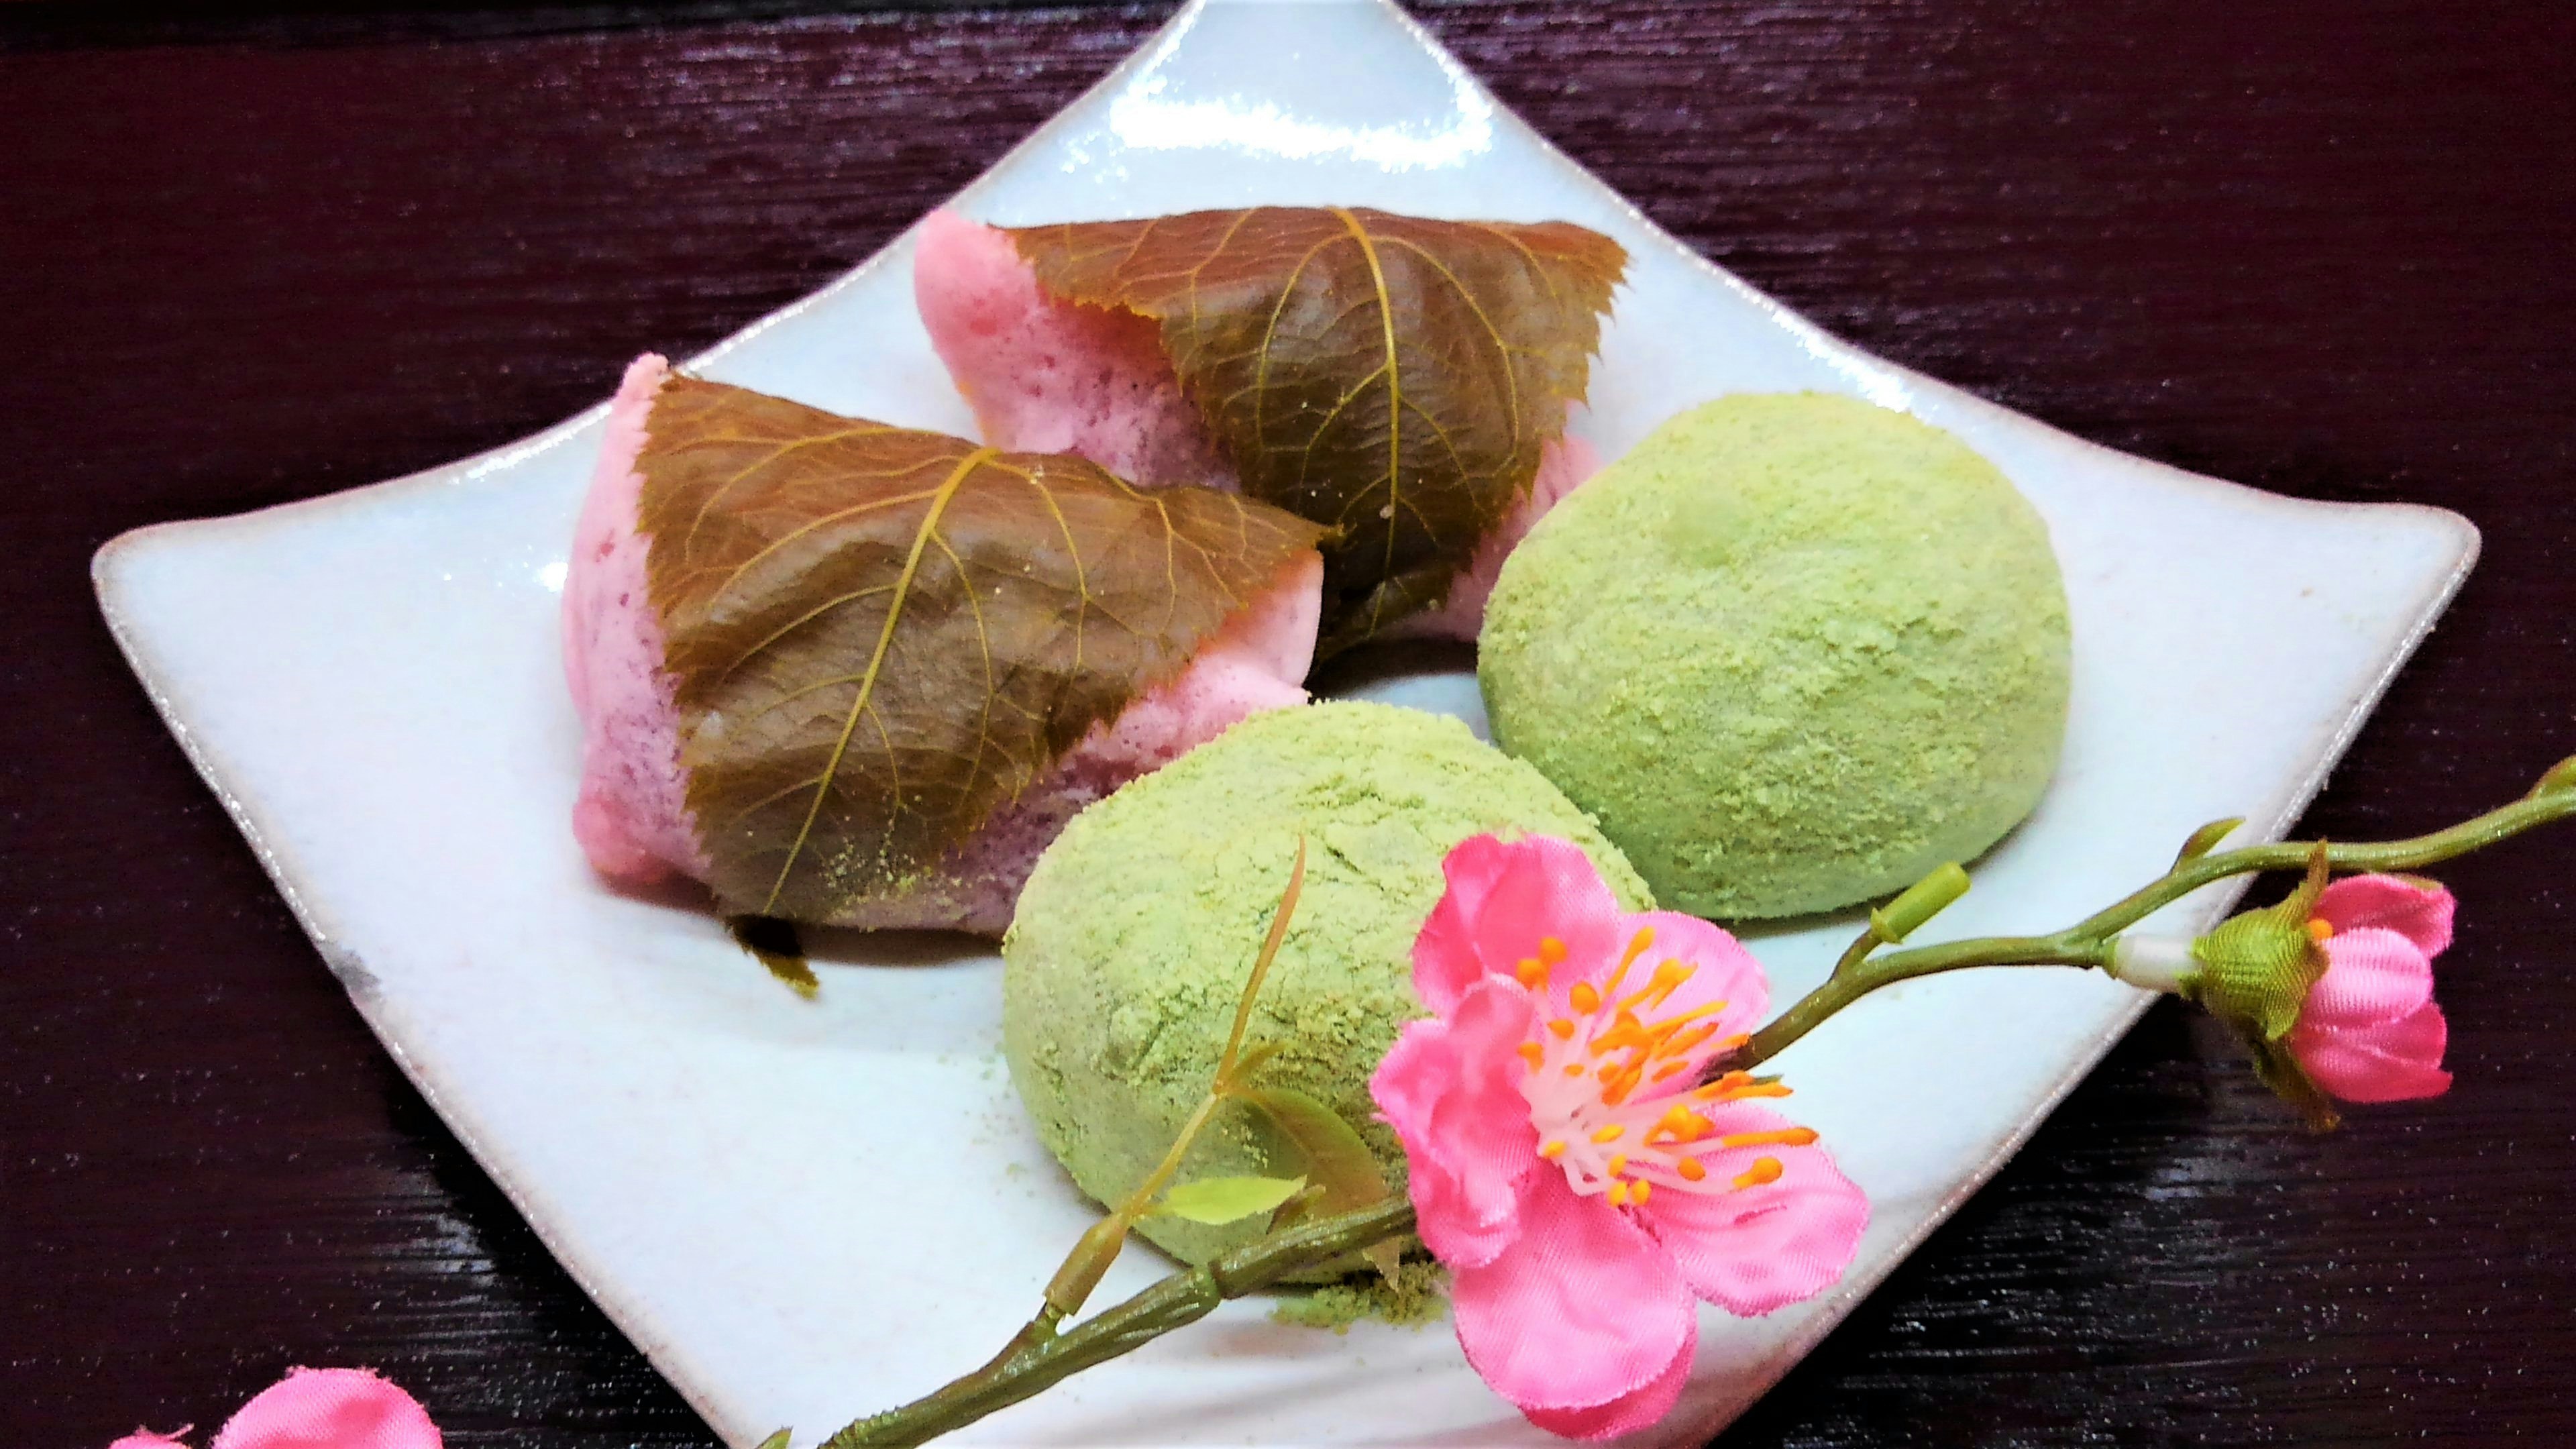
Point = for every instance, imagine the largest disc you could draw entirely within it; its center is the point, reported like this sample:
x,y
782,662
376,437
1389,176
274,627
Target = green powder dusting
x,y
1419,1295
1139,926
1794,651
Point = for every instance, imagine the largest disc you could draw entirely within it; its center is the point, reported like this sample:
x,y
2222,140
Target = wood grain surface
x,y
2323,246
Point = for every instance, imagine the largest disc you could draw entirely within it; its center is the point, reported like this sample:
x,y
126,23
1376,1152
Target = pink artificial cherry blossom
x,y
1580,1182
2369,1031
317,1409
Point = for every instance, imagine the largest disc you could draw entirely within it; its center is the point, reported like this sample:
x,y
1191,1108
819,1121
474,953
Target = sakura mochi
x,y
1113,367
703,661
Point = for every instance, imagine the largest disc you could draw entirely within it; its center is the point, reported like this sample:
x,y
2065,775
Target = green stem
x,y
2476,833
1039,1356
2088,942
1183,1298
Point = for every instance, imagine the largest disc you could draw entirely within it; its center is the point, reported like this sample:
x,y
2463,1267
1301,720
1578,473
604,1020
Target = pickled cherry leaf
x,y
879,636
1391,377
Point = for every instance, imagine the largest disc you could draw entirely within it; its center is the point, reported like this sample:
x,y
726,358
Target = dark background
x,y
2323,246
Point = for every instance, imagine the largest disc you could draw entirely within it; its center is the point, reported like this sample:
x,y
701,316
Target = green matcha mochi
x,y
1140,924
1793,651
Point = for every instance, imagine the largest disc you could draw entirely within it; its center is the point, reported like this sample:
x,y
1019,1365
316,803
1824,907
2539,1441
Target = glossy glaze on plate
x,y
769,1194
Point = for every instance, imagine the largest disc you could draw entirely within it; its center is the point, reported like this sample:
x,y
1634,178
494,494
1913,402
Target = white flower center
x,y
1605,1093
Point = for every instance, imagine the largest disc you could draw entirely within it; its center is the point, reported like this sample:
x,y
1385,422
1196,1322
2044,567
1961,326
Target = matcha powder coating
x,y
1793,651
1140,924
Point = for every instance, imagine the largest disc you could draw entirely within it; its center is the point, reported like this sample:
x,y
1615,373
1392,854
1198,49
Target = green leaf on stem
x,y
1219,1200
2561,776
1231,1069
775,1441
2206,838
1337,1160
2275,1068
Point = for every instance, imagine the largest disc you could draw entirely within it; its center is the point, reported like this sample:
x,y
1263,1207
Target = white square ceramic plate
x,y
804,1211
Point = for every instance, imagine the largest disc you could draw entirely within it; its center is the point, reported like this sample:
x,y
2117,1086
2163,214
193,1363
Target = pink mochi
x,y
1048,376
632,817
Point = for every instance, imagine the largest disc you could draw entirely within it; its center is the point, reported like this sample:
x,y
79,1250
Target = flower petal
x,y
2373,976
1753,1249
1451,1090
1582,1312
146,1439
1503,898
2392,1061
2390,903
330,1409
1640,1410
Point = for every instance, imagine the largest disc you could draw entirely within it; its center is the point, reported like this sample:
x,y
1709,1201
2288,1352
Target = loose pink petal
x,y
2396,1061
1754,1249
1503,899
2373,975
2392,904
146,1439
1582,1312
1626,1415
1451,1090
330,1409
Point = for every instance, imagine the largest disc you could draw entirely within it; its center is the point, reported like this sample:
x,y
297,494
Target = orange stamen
x,y
1531,1054
1611,986
1617,1164
1691,1168
1638,945
1552,1149
1764,1169
1668,978
2320,930
1735,1086
1721,1086
1587,998
1626,1033
1611,1133
1532,973
1561,1029
1786,1137
1637,1193
1689,1041
1551,950
1619,1194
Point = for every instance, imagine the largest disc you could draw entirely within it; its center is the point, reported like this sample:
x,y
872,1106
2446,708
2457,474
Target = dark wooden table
x,y
2324,246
